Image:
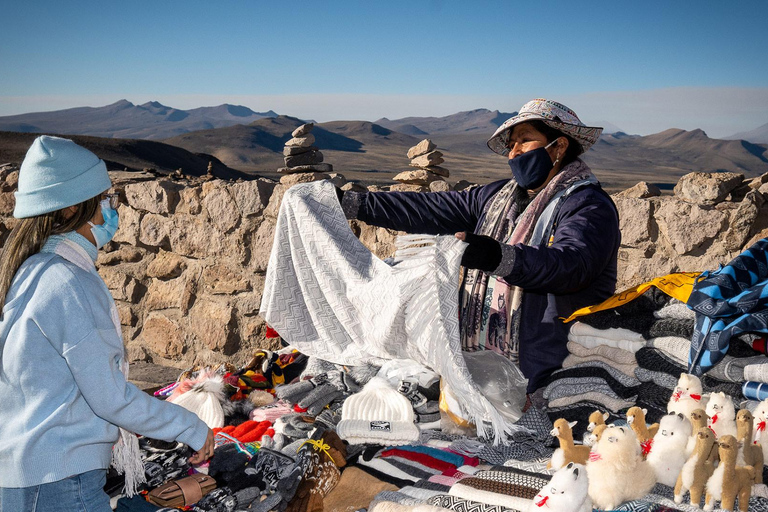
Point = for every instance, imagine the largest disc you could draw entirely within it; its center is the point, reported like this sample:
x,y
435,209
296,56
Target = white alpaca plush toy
x,y
722,415
687,396
668,451
760,427
566,492
616,469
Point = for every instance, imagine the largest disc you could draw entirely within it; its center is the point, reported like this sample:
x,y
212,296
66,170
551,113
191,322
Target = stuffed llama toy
x,y
616,470
595,419
644,433
722,414
760,432
750,454
591,438
565,492
667,455
568,452
698,419
698,468
729,481
687,395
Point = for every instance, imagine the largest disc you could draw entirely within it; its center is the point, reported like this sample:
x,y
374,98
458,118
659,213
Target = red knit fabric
x,y
468,461
421,458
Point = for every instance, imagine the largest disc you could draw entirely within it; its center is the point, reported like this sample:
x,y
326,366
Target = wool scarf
x,y
490,307
126,457
329,297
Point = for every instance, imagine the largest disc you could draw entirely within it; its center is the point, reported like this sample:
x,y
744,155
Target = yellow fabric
x,y
678,285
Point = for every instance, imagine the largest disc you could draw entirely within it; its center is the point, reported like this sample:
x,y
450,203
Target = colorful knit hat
x,y
378,414
551,113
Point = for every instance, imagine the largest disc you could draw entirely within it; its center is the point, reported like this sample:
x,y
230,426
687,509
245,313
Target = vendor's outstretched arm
x,y
437,213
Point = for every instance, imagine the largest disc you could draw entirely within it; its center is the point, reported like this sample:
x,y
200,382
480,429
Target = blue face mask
x,y
531,169
103,233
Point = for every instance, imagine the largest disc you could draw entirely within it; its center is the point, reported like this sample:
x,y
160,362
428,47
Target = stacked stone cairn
x,y
301,155
428,176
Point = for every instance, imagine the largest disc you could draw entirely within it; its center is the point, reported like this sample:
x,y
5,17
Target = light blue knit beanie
x,y
57,173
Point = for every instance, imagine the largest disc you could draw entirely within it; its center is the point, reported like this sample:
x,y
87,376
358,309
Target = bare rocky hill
x,y
129,155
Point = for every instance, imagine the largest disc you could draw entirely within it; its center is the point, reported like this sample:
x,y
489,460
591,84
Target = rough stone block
x,y
252,196
221,208
706,187
302,130
166,265
130,222
163,336
154,230
224,280
304,141
687,226
422,148
742,220
261,245
417,177
431,158
210,322
641,191
290,180
164,294
635,217
155,196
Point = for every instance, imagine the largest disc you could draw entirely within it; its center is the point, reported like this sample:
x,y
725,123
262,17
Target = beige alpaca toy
x,y
728,480
616,469
591,438
698,468
699,419
595,419
750,454
644,433
687,395
568,452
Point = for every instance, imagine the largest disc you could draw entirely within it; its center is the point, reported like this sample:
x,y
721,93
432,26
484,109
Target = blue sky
x,y
644,66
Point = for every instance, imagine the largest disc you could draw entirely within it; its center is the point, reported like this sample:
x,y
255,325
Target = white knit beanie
x,y
378,414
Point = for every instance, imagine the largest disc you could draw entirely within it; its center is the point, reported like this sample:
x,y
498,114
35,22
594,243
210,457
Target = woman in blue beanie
x,y
64,397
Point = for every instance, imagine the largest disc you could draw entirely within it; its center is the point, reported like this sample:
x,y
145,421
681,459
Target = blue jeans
x,y
80,493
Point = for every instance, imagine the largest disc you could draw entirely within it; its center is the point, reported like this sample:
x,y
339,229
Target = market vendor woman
x,y
541,245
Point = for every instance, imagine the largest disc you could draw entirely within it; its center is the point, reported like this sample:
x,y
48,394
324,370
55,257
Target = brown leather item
x,y
182,492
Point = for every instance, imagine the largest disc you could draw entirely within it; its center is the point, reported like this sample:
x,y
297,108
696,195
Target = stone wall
x,y
187,266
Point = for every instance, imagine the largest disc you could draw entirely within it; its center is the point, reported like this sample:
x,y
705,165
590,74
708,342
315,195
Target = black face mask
x,y
531,169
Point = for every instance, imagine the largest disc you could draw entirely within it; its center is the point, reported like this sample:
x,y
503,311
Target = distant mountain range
x,y
757,136
123,119
370,152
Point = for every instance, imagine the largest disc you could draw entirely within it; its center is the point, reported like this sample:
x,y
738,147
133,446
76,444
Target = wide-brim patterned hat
x,y
551,113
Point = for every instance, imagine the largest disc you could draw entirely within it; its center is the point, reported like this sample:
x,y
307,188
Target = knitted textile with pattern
x,y
328,296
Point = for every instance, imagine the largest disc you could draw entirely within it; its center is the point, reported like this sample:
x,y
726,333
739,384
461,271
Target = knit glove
x,y
293,393
321,474
483,252
339,385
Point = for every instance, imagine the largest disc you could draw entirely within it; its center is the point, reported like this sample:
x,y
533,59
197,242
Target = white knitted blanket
x,y
329,297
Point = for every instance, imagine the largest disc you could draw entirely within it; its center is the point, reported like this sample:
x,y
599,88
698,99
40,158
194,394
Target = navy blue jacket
x,y
577,269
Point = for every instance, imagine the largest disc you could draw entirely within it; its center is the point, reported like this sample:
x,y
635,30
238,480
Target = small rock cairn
x,y
429,175
301,155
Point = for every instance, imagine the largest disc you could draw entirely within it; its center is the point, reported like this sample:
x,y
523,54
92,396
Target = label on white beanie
x,y
381,426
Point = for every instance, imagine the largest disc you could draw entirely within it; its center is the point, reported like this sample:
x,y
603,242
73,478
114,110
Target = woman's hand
x,y
483,253
204,453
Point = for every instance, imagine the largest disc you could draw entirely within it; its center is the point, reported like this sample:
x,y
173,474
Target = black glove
x,y
483,253
339,194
